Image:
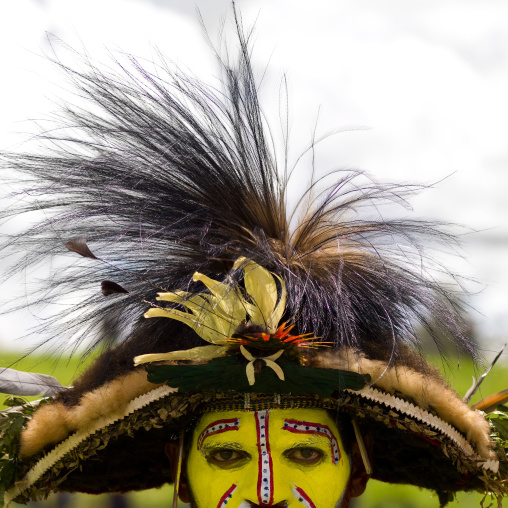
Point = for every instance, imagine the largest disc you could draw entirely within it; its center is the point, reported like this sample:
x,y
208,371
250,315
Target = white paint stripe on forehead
x,y
217,427
302,427
265,466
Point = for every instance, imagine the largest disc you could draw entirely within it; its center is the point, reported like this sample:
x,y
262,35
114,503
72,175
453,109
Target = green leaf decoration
x,y
11,425
228,374
7,471
499,419
14,402
501,426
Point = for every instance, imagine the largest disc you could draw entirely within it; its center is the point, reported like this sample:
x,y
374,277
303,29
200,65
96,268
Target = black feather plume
x,y
165,175
80,246
110,288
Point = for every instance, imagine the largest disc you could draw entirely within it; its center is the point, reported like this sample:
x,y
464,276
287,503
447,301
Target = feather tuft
x,y
110,288
16,382
80,246
172,176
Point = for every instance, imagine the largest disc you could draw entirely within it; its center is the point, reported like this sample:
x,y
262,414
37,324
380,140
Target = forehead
x,y
301,423
275,415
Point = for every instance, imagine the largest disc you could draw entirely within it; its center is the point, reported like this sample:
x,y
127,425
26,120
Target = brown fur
x,y
48,425
118,362
54,422
427,390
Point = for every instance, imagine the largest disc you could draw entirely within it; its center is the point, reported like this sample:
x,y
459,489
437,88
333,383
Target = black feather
x,y
110,288
80,246
167,175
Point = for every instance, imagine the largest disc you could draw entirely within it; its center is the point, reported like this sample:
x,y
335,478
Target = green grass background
x,y
377,495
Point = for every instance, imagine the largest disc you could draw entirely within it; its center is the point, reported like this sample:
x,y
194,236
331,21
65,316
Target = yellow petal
x,y
229,299
217,315
174,296
198,353
208,326
261,287
276,316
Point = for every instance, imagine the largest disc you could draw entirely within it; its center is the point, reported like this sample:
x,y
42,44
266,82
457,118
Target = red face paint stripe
x,y
301,427
260,457
301,496
226,497
265,466
217,427
270,464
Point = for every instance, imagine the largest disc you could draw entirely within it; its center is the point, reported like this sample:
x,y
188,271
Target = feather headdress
x,y
177,189
165,176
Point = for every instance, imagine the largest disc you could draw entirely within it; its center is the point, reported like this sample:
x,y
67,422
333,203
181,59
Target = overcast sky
x,y
420,87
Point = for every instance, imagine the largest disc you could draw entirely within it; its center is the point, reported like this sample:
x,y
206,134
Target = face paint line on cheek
x,y
265,466
302,427
322,483
301,496
227,496
217,427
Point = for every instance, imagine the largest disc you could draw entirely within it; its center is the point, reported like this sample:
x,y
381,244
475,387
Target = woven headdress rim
x,y
222,401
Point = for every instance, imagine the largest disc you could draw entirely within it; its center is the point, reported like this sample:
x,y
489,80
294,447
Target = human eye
x,y
305,456
226,458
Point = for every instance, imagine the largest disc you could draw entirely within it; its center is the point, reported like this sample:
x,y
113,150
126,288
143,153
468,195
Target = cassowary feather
x,y
165,175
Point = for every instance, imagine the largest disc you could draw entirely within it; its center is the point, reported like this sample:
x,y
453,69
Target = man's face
x,y
292,458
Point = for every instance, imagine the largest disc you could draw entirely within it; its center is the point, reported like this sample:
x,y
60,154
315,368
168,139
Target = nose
x,y
254,499
269,490
272,493
256,494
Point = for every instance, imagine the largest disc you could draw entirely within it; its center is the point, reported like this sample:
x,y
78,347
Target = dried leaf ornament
x,y
80,246
216,316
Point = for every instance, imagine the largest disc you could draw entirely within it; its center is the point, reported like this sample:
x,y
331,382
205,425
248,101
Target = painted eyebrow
x,y
218,427
303,427
222,446
312,440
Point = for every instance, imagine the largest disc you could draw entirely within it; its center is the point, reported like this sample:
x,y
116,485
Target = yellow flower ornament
x,y
215,316
248,342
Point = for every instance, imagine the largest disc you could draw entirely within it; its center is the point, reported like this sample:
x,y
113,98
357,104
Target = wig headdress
x,y
175,186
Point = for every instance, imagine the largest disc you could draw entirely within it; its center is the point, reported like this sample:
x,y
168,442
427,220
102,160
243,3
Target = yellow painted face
x,y
292,458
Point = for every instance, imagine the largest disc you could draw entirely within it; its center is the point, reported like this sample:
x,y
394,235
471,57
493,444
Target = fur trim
x,y
428,390
73,441
48,425
54,422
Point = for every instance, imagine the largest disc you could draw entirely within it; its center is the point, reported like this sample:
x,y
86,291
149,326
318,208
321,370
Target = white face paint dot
x,y
265,473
